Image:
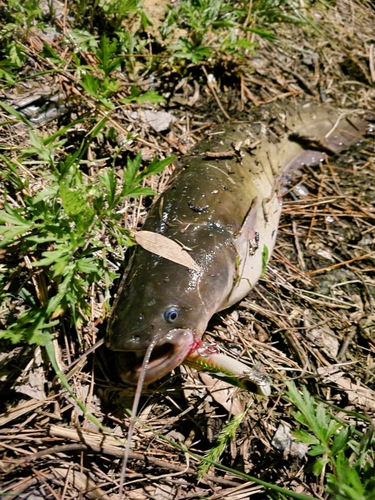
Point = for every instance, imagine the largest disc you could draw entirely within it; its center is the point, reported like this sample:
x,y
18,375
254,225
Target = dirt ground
x,y
311,319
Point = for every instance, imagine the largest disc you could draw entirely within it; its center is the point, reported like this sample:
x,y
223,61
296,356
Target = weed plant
x,y
61,229
64,231
341,454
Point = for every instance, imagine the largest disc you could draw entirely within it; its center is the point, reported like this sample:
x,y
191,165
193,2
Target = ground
x,y
311,319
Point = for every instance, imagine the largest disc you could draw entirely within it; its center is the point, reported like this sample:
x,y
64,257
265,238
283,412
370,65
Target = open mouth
x,y
164,358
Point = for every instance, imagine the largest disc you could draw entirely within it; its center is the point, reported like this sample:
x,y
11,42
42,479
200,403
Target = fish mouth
x,y
166,356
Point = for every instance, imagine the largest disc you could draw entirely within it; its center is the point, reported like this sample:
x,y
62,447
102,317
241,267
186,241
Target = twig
x,y
339,264
212,88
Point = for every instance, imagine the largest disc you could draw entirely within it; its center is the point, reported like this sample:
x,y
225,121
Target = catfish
x,y
223,209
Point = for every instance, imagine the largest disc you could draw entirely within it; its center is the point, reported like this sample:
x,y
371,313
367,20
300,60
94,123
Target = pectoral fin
x,y
249,232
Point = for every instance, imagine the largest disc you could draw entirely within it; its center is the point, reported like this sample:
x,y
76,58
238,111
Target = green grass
x,y
61,228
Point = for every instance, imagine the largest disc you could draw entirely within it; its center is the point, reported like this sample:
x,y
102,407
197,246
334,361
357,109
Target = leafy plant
x,y
220,28
211,26
59,228
110,13
223,438
150,96
348,454
184,49
200,16
24,13
18,19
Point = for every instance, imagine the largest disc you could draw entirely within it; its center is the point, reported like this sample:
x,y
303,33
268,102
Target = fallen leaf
x,y
224,394
357,393
166,248
284,441
33,380
159,120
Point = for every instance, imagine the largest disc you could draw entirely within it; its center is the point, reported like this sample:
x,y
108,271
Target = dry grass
x,y
312,318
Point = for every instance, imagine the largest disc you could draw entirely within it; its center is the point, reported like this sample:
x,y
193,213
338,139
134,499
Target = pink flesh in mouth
x,y
170,355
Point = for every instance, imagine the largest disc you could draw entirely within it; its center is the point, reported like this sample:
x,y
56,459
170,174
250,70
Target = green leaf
x,y
105,53
319,464
10,234
12,216
31,327
305,437
300,417
73,199
322,420
60,266
340,440
38,239
28,297
91,84
224,437
62,254
265,257
54,304
84,220
6,68
332,427
52,357
184,49
150,96
13,175
83,39
109,182
317,449
87,265
45,194
157,166
50,53
19,225
131,170
38,146
16,114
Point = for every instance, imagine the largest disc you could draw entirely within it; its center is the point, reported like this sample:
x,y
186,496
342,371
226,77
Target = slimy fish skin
x,y
223,208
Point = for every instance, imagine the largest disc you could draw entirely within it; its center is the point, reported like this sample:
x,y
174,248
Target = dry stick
x,y
43,479
371,61
302,82
313,219
54,450
11,493
339,264
249,94
86,353
108,445
334,178
344,347
212,88
298,246
361,209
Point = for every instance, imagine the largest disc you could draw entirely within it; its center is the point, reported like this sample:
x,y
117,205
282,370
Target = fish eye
x,y
171,314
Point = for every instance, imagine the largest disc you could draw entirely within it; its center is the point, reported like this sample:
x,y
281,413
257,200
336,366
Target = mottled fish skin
x,y
224,206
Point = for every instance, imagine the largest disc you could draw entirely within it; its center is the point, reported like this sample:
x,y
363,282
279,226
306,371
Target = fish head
x,y
163,303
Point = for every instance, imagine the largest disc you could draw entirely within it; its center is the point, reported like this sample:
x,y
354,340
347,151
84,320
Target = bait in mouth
x,y
208,358
224,207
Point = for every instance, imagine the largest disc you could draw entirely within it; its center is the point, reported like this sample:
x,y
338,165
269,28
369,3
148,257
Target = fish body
x,y
223,208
